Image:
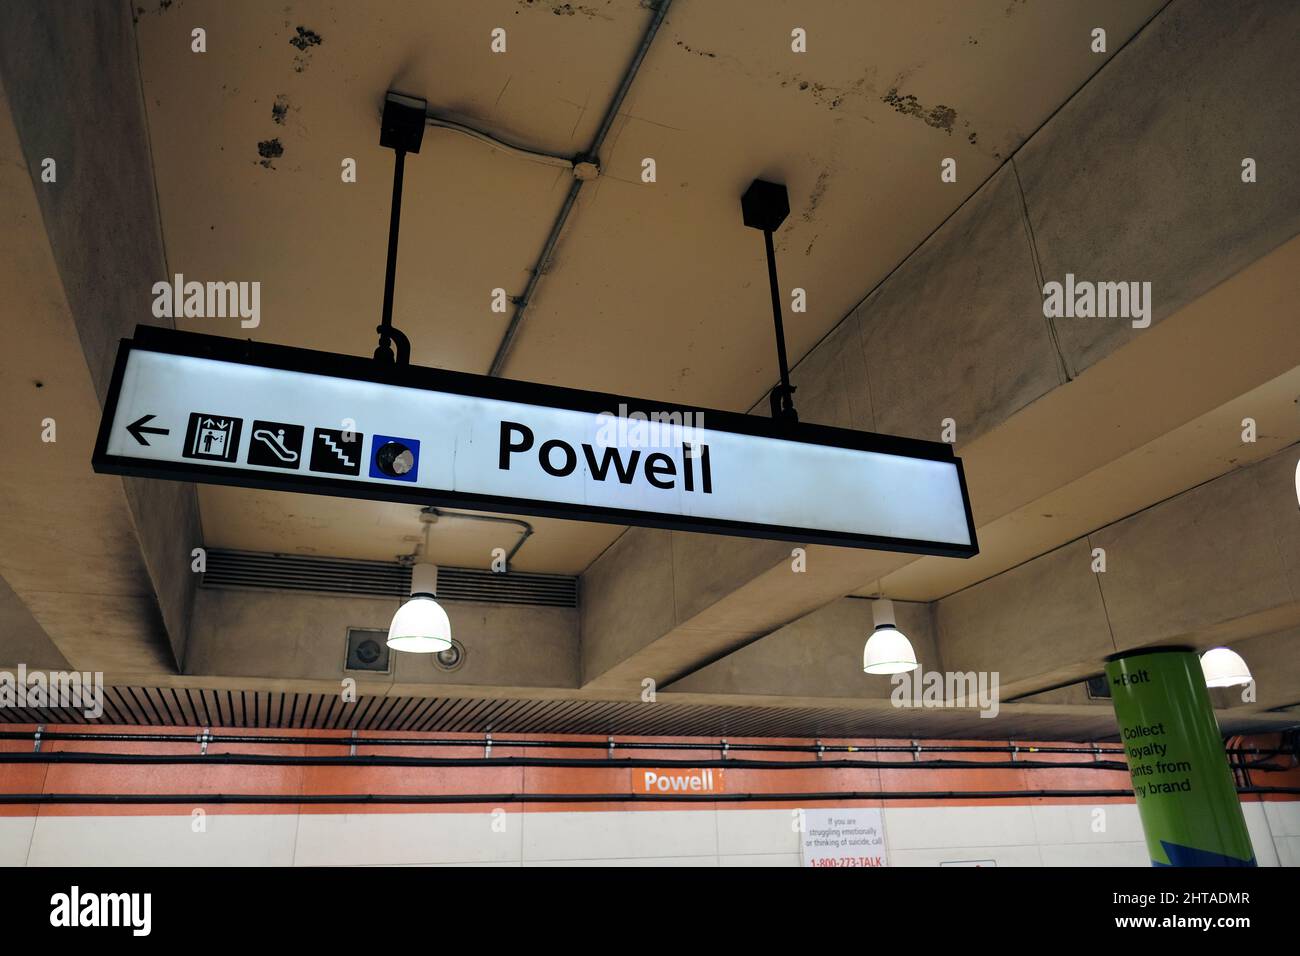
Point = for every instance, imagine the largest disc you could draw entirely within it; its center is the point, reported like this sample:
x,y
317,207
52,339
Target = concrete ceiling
x,y
657,289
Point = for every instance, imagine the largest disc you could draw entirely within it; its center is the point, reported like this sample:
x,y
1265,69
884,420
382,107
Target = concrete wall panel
x,y
1138,176
819,655
627,598
303,637
1020,622
1208,556
957,331
831,381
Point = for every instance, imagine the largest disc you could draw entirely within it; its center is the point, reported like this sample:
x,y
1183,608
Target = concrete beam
x,y
71,79
1139,174
1216,564
819,655
1226,551
24,642
69,551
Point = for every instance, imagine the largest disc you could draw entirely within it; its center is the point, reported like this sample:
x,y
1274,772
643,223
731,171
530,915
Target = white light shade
x,y
888,650
421,626
1224,668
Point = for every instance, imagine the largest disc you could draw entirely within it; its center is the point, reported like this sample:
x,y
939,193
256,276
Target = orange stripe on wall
x,y
324,780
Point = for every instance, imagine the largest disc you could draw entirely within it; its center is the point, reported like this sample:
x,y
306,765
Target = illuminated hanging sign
x,y
223,411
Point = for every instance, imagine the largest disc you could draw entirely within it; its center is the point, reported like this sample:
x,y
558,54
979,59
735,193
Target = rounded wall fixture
x,y
450,659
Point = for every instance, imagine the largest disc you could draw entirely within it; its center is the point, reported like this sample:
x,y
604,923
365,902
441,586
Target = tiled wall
x,y
1019,835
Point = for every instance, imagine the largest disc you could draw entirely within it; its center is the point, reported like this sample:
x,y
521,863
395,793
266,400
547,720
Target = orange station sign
x,y
686,780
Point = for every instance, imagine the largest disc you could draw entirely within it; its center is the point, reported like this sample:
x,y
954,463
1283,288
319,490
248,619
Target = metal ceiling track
x,y
592,155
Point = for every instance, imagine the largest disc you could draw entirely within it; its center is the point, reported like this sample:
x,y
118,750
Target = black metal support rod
x,y
390,273
385,760
219,737
776,315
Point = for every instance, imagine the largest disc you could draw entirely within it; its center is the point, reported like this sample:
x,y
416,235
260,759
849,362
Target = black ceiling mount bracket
x,y
403,123
402,130
764,207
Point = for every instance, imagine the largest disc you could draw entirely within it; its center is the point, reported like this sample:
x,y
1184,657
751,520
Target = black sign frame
x,y
355,368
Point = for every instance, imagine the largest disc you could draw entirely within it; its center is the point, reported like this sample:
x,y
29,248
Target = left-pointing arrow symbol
x,y
138,430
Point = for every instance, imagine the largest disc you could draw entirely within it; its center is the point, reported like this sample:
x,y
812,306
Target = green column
x,y
1185,793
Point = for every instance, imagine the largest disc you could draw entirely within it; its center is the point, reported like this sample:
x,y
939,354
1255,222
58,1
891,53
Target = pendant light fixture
x,y
1224,667
888,650
421,626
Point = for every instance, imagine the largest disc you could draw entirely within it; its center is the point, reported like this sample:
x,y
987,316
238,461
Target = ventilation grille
x,y
295,572
485,587
207,707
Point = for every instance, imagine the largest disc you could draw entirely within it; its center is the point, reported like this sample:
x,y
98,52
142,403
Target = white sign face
x,y
226,421
844,837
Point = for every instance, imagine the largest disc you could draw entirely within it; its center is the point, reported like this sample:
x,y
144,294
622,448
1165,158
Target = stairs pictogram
x,y
336,452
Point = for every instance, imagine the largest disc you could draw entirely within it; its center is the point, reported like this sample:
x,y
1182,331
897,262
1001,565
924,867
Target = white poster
x,y
844,837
